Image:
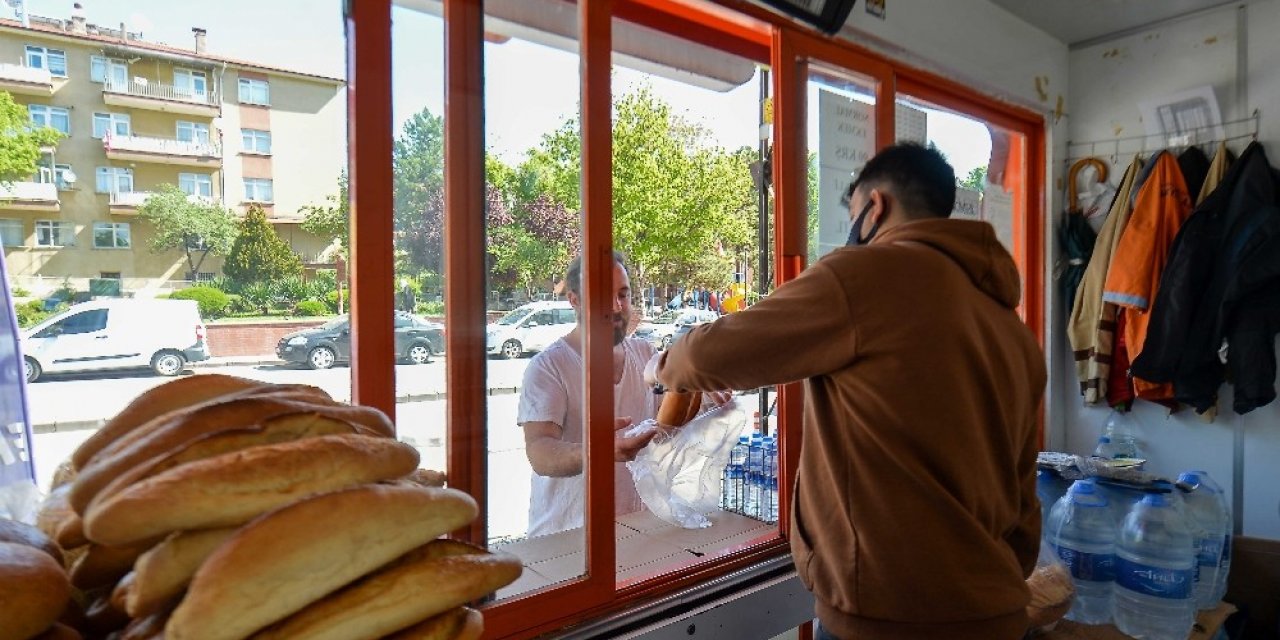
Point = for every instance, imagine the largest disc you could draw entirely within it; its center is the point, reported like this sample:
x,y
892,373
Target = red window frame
x,y
745,30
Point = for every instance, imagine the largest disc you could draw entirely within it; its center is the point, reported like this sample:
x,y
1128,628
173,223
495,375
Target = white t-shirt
x,y
553,392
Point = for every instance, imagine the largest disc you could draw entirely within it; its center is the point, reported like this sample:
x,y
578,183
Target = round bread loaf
x,y
162,573
22,533
233,488
33,591
173,429
54,511
282,428
177,394
462,623
423,583
291,557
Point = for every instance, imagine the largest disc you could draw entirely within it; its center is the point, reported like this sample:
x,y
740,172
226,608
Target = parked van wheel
x,y
512,349
33,369
168,363
420,353
321,358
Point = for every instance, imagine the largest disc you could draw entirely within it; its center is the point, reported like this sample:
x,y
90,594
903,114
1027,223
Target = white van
x,y
530,328
117,334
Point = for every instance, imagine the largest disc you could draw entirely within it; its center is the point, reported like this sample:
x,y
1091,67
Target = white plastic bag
x,y
678,474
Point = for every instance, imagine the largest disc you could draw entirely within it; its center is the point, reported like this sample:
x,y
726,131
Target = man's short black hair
x,y
919,177
573,277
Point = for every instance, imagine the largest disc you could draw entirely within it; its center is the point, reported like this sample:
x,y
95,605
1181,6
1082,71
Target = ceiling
x,y
1074,21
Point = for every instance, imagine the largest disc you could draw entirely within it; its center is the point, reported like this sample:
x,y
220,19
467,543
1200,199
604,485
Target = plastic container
x,y
1050,487
731,488
772,515
1210,521
1123,432
1155,572
1082,533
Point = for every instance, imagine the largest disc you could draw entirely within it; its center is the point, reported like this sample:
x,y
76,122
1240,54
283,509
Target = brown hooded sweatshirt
x,y
915,513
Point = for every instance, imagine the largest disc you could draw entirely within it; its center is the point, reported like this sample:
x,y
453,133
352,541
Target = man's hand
x,y
625,448
716,398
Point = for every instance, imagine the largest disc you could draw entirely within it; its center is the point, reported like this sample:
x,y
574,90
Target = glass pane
x,y
842,137
305,60
986,159
687,215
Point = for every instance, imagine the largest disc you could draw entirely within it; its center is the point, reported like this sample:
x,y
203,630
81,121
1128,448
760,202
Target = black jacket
x,y
1222,281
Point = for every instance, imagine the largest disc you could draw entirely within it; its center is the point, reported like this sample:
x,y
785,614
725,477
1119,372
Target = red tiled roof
x,y
160,48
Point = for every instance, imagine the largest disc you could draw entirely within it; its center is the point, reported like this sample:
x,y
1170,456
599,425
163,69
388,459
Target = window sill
x,y
259,202
255,104
647,547
258,154
113,248
42,247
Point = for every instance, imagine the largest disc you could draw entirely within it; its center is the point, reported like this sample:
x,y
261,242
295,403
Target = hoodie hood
x,y
973,245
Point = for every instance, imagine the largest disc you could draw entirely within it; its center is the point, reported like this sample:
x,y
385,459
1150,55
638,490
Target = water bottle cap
x,y
744,439
1104,440
1085,494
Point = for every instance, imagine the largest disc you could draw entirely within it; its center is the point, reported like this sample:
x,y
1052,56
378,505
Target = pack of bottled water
x,y
749,485
1082,533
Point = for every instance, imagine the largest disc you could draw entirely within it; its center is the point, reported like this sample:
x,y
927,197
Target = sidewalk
x,y
237,361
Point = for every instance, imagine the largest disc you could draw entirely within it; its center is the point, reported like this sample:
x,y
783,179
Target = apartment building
x,y
138,115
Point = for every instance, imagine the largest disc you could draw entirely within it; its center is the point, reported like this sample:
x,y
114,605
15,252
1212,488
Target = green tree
x,y
259,253
332,219
197,228
418,159
976,180
20,143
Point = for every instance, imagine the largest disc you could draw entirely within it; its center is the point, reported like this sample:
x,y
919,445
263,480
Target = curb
x,y
84,425
237,363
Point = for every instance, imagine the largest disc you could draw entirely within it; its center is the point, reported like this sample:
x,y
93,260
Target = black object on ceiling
x,y
826,15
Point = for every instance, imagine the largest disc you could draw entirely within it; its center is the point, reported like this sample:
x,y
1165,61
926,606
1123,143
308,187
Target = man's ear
x,y
880,206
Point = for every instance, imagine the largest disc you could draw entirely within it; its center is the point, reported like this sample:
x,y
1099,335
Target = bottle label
x,y
1210,549
1093,567
1172,584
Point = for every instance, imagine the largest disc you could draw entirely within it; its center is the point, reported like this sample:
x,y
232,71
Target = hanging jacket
x,y
1190,318
1222,160
1251,314
1194,165
1092,326
1134,277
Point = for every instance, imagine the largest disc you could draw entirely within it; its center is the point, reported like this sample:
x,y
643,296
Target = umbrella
x,y
1075,233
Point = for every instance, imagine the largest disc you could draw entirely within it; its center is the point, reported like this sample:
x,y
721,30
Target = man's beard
x,y
619,329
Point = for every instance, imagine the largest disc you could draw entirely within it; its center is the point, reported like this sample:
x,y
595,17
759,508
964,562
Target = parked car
x,y
529,328
660,331
118,333
690,319
322,347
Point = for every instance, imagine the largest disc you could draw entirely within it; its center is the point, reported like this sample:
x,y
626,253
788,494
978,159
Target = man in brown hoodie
x,y
915,512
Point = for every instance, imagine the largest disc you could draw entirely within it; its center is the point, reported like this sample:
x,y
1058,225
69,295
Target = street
x,y
67,410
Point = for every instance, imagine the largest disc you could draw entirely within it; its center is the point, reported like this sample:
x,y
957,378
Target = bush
x,y
237,304
213,302
19,292
311,308
331,299
31,313
224,284
259,253
290,290
431,308
257,296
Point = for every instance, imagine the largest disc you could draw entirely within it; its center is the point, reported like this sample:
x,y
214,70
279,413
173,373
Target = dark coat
x,y
1222,282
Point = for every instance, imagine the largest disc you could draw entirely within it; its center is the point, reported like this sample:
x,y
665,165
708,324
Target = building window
x,y
55,60
52,233
196,184
57,175
257,190
11,233
256,140
206,276
114,180
114,124
111,235
109,275
193,83
43,115
112,71
255,91
193,132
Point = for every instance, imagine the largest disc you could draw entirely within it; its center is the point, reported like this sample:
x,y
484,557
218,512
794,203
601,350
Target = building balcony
x,y
160,97
128,202
162,151
16,78
29,196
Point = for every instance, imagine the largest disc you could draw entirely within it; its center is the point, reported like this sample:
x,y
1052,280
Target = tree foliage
x,y
976,180
20,143
259,253
196,227
418,158
333,219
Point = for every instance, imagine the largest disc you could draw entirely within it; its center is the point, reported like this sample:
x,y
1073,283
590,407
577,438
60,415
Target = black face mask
x,y
855,232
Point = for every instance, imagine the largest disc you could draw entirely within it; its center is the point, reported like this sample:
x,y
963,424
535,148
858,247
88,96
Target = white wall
x,y
1107,81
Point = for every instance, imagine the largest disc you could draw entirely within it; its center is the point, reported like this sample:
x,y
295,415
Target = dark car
x,y
330,343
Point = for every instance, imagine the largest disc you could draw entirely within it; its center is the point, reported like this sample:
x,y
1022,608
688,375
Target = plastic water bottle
x,y
1082,532
1220,590
1050,486
731,488
770,457
1155,572
751,498
738,454
1210,523
772,515
1123,432
1108,449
